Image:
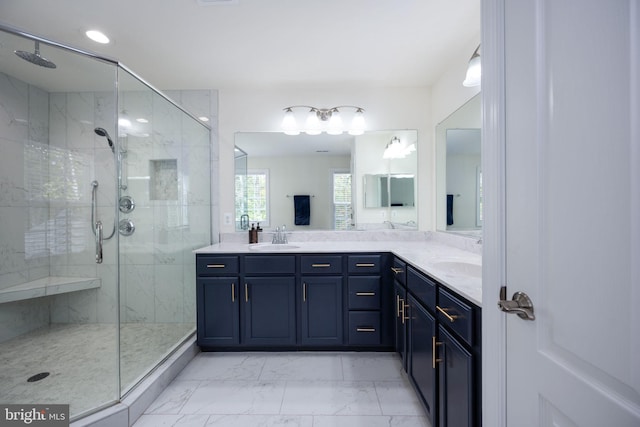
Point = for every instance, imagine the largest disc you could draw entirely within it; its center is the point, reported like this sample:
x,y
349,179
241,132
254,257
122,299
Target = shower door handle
x,y
98,242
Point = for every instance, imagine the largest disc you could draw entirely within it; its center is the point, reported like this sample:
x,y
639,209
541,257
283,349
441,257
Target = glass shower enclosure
x,y
104,192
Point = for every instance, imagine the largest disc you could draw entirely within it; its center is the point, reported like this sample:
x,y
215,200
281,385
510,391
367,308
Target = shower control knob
x,y
126,204
126,227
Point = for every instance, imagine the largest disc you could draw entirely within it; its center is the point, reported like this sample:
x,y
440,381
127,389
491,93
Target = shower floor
x,y
81,362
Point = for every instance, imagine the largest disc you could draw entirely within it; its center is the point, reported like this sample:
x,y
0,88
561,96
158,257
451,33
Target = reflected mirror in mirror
x,y
330,170
388,191
459,174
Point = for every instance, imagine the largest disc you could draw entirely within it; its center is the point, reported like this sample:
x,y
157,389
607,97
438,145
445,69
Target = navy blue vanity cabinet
x,y
268,301
421,338
320,300
399,274
459,365
217,295
369,301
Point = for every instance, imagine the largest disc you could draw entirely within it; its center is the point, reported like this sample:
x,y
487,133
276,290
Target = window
x,y
256,183
341,200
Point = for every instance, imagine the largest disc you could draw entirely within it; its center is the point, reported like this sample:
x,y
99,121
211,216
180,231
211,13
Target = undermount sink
x,y
459,267
272,247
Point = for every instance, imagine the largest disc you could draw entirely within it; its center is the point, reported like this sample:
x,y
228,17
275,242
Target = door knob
x,y
520,304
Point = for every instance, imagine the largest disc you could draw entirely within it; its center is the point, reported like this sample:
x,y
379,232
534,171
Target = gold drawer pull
x,y
434,355
304,292
320,265
365,294
397,270
365,264
451,317
365,329
216,266
233,292
246,292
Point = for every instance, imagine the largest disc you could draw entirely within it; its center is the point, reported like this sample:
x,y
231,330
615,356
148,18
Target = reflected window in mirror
x,y
255,184
342,214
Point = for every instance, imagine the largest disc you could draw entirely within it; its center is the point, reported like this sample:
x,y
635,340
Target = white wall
x,y
258,110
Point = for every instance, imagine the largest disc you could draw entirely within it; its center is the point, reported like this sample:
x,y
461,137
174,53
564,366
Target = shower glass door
x,y
165,201
58,306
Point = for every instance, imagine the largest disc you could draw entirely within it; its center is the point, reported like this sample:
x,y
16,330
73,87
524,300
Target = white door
x,y
572,237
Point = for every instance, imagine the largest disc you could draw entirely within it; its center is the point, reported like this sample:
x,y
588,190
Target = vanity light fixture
x,y
323,120
474,70
395,149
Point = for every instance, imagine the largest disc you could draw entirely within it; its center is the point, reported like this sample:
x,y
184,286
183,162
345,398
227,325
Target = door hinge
x,y
503,293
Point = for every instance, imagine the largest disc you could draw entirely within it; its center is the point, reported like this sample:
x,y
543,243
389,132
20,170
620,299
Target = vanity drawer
x,y
364,328
455,314
365,264
364,293
422,287
321,264
208,265
270,264
399,271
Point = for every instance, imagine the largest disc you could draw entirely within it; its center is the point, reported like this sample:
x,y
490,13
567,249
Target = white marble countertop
x,y
455,268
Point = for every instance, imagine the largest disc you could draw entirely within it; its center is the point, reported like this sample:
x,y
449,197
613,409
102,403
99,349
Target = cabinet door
x,y
421,343
399,297
218,311
269,311
456,385
321,310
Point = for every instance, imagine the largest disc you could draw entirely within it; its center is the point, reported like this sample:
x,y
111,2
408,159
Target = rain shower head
x,y
102,132
35,57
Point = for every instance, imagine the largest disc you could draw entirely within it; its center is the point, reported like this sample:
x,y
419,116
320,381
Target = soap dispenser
x,y
253,234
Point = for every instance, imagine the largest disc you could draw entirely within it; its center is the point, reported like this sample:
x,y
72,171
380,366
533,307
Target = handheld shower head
x,y
102,132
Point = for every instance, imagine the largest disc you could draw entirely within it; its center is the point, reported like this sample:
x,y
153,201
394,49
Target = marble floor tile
x,y
331,398
398,398
370,421
173,398
308,366
224,366
235,397
372,367
292,389
260,421
172,421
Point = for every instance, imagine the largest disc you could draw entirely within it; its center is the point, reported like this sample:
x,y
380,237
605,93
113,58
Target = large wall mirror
x,y
459,173
319,182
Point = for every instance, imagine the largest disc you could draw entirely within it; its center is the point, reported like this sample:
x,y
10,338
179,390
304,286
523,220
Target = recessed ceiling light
x,y
204,119
97,36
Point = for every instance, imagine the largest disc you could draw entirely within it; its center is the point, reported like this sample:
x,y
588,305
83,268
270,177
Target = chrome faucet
x,y
280,236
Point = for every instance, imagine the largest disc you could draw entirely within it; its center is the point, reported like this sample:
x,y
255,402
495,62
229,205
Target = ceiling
x,y
181,44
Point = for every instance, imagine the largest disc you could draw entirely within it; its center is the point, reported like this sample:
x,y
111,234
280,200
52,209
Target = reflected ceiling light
x,y
97,36
142,120
395,149
323,120
204,118
474,70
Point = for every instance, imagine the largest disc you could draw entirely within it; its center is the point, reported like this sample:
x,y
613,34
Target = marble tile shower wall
x,y
24,120
50,155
